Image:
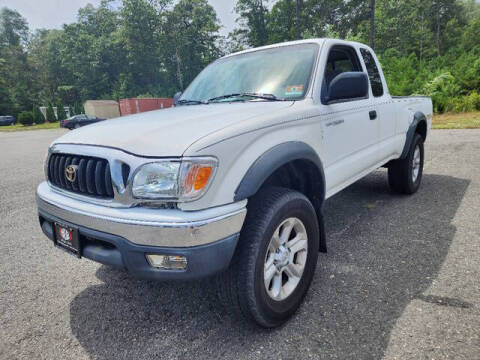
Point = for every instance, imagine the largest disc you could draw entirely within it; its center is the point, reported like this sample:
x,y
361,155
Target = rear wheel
x,y
275,259
405,175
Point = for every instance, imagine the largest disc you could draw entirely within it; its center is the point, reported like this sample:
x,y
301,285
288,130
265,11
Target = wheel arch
x,y
418,126
293,165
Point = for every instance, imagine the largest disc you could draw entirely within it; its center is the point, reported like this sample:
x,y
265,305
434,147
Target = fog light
x,y
168,262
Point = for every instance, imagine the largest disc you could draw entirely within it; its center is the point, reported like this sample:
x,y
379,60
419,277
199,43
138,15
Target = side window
x,y
373,73
341,59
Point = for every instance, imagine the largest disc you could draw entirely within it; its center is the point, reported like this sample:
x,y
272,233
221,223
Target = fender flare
x,y
417,119
272,160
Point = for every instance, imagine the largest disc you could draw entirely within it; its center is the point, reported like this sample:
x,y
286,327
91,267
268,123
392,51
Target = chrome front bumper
x,y
146,226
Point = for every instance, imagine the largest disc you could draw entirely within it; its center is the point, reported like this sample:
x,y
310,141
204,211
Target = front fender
x,y
240,146
272,160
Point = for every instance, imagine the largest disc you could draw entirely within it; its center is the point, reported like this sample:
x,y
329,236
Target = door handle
x,y
373,115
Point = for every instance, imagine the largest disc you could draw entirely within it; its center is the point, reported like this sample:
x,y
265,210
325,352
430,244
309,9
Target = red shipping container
x,y
135,106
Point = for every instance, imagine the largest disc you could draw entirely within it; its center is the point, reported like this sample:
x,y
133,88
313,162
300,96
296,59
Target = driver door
x,y
350,127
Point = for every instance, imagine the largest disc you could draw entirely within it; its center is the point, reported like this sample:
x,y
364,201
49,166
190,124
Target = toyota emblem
x,y
71,173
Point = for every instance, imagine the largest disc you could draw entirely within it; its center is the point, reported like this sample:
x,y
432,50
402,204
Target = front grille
x,y
92,175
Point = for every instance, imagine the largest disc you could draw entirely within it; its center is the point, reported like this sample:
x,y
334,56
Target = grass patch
x,y
456,121
20,127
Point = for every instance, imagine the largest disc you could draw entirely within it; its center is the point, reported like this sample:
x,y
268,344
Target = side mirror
x,y
176,97
348,85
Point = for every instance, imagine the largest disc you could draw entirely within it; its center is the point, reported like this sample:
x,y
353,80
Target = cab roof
x,y
319,41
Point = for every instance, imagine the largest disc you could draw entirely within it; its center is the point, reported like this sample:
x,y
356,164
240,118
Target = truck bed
x,y
407,106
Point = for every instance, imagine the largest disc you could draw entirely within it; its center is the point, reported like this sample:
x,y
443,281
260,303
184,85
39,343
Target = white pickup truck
x,y
232,180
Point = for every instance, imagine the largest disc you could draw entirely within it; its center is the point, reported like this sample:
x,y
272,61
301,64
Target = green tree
x,y
18,77
444,11
37,115
61,114
6,104
190,36
25,118
281,25
51,114
13,28
44,49
252,15
78,109
15,70
422,27
70,110
298,19
372,24
158,46
342,17
67,93
140,30
471,34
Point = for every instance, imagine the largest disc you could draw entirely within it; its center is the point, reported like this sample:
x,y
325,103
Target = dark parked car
x,y
7,120
77,121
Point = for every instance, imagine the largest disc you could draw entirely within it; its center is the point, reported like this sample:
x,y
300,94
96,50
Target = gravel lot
x,y
401,279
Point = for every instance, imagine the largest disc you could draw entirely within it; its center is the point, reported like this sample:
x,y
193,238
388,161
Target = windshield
x,y
283,72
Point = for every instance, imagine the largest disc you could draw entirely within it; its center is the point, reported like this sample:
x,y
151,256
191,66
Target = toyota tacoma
x,y
231,182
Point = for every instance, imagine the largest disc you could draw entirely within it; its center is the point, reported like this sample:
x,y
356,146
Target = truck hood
x,y
168,132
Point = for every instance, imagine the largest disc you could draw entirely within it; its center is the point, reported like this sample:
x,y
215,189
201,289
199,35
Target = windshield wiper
x,y
189,101
270,97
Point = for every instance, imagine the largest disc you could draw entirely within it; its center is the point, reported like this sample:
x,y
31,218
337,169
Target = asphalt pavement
x,y
401,279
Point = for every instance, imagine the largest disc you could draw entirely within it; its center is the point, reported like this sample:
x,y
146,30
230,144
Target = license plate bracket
x,y
66,238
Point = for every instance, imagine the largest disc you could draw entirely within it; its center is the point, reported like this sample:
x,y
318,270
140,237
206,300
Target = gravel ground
x,y
401,279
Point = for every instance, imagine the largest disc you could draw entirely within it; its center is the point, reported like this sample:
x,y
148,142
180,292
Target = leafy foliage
x,y
51,114
61,114
78,109
13,28
252,22
427,47
191,31
37,116
25,118
141,47
126,48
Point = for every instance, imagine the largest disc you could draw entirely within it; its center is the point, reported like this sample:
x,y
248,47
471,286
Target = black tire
x,y
400,171
241,288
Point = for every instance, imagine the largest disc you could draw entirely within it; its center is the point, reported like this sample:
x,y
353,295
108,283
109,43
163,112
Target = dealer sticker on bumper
x,y
67,238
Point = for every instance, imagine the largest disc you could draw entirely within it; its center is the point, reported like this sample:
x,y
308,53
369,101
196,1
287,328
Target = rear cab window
x,y
373,72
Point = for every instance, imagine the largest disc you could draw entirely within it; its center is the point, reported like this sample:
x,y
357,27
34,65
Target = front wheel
x,y
405,175
275,259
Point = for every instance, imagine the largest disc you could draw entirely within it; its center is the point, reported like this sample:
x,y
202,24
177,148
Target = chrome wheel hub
x,y
282,257
416,164
285,259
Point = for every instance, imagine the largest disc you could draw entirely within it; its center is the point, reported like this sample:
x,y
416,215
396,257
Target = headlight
x,y
181,180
